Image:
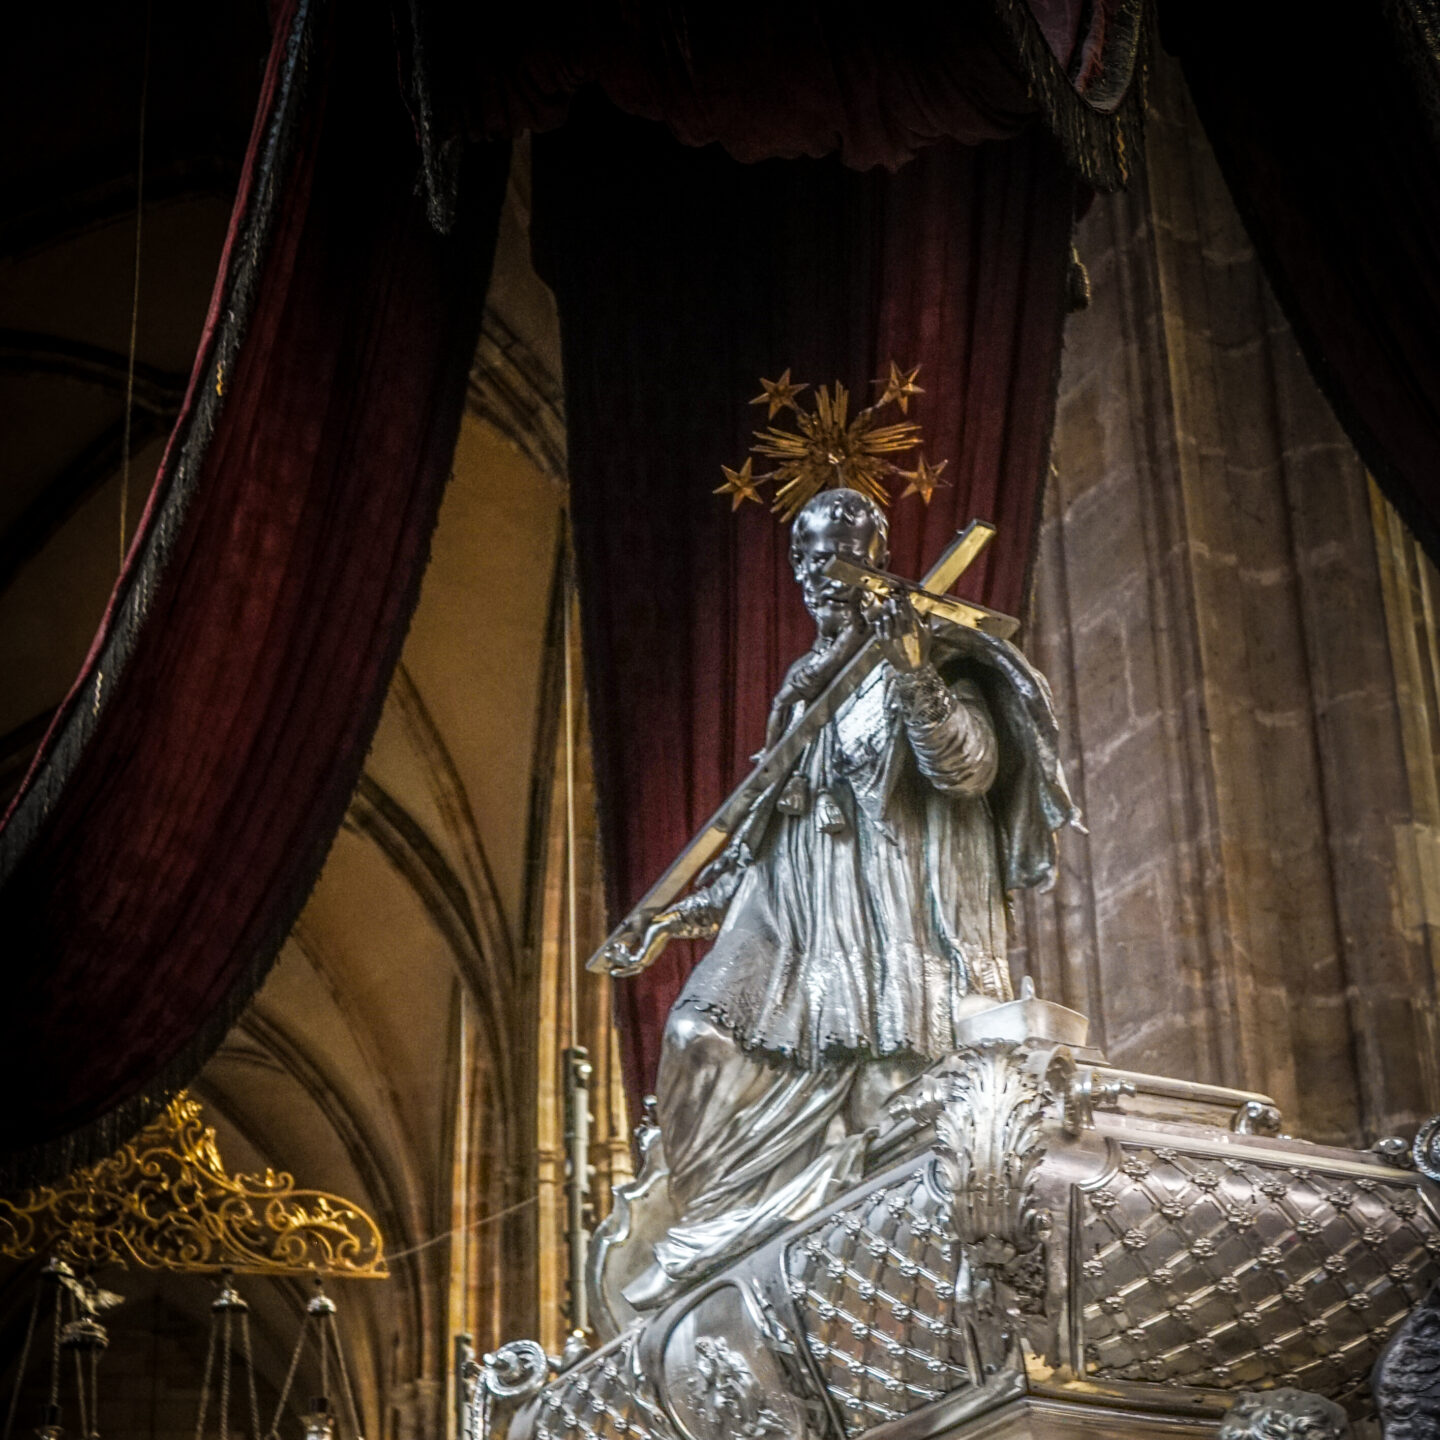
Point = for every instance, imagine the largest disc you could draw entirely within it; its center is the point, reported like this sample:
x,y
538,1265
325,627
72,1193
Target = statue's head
x,y
836,522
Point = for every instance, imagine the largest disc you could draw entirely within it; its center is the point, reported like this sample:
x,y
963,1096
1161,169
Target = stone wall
x,y
1210,609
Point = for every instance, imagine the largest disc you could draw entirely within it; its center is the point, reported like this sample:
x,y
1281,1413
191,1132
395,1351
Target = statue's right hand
x,y
621,952
638,944
620,960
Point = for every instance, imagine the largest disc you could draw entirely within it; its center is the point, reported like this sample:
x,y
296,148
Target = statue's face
x,y
815,539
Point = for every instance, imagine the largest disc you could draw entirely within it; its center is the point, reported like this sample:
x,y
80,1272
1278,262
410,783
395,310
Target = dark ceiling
x,y
70,101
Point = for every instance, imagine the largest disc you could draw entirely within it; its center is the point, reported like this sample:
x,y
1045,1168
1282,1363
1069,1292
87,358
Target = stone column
x,y
419,1410
1209,606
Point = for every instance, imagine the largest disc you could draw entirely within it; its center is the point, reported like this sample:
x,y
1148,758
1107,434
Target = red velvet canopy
x,y
871,84
183,801
684,276
188,790
1329,138
185,796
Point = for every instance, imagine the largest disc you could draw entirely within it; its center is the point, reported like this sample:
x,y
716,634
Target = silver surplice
x,y
870,922
875,907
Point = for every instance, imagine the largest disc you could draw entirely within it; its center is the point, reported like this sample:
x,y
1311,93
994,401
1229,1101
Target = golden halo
x,y
828,450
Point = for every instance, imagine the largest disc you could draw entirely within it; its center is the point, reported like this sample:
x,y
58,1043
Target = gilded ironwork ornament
x,y
166,1202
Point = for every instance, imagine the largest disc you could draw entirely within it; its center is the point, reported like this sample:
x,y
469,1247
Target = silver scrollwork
x,y
728,1399
1425,1151
1284,1414
512,1373
988,1107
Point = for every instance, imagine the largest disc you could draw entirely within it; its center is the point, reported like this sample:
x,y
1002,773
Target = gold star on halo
x,y
900,387
740,484
828,448
778,394
924,479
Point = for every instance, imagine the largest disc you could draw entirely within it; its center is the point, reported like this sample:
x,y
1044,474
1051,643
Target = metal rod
x,y
577,1178
135,286
465,1368
572,954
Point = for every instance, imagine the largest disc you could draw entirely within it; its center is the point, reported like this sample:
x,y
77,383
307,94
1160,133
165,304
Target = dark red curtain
x,y
183,802
873,84
185,798
682,277
1329,138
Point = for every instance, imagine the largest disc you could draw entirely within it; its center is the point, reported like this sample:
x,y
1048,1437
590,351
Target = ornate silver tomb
x,y
1051,1238
887,1199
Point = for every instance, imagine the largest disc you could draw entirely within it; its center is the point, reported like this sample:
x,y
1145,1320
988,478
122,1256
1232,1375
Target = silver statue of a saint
x,y
858,912
871,1182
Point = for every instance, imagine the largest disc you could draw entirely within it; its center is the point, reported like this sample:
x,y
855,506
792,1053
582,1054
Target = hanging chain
x,y
55,1350
250,1371
24,1361
95,1394
80,1394
225,1380
345,1380
274,1431
205,1381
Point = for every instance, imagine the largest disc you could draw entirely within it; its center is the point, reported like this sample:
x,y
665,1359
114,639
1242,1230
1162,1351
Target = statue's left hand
x,y
901,633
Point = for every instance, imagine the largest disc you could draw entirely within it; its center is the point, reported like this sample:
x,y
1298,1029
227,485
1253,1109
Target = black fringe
x,y
1414,27
102,1137
1099,137
442,142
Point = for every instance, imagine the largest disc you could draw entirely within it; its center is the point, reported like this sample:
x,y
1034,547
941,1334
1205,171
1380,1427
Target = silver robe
x,y
875,903
864,913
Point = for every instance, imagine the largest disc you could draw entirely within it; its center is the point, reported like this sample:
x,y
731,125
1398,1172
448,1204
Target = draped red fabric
x,y
763,80
870,83
682,277
182,804
184,801
1329,139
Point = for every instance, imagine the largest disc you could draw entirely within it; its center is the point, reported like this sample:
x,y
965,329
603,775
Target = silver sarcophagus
x,y
1043,1240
